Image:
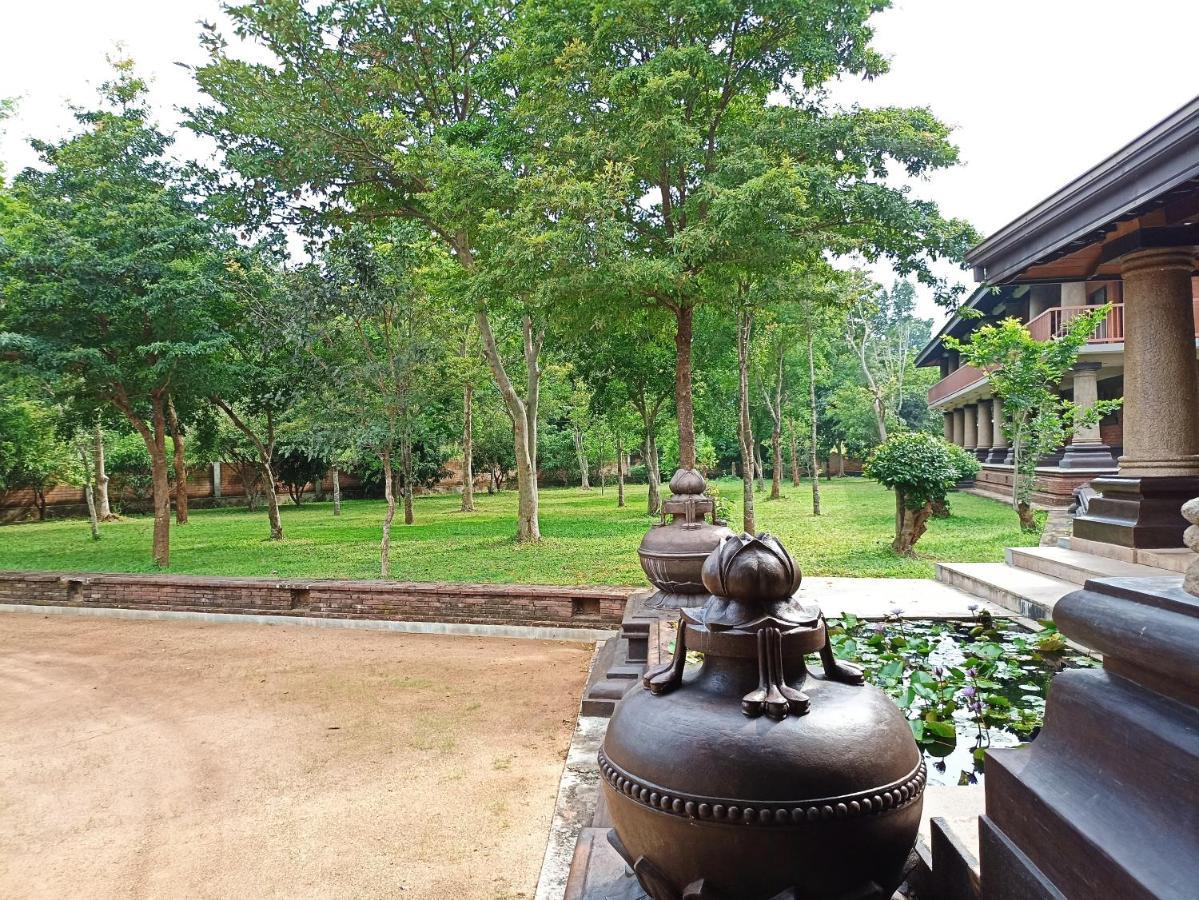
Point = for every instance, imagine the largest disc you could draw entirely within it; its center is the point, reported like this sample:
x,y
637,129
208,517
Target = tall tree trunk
x,y
745,425
336,491
104,508
794,441
468,449
841,461
650,452
266,456
581,453
776,418
409,485
389,516
272,499
156,444
815,462
684,320
180,465
524,424
89,496
759,469
318,488
620,467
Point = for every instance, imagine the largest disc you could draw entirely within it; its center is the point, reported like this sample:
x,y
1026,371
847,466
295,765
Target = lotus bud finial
x,y
746,567
687,482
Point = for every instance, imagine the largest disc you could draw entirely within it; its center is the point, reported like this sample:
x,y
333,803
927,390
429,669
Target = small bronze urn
x,y
673,551
751,777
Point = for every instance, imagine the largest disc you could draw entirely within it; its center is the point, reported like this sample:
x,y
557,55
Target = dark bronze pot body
x,y
752,777
673,551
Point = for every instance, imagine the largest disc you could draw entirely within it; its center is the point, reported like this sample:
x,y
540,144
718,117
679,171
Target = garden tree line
x,y
539,238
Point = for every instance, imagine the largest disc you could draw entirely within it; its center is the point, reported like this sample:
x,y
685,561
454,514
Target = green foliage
x,y
1025,373
32,455
918,466
965,464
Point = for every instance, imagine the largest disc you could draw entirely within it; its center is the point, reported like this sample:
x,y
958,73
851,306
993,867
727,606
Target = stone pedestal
x,y
623,659
1137,512
1159,469
1103,803
1087,450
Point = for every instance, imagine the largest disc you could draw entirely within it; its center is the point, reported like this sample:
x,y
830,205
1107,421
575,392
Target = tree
x,y
111,275
727,147
390,110
366,319
885,336
919,469
1025,373
32,455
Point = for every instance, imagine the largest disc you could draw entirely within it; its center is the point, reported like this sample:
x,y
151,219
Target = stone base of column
x,y
1137,512
1051,460
999,456
1088,810
983,453
1087,456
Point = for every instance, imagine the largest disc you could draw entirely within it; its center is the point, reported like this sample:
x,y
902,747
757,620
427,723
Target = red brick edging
x,y
491,604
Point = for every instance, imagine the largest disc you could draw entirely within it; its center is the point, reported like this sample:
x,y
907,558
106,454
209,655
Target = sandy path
x,y
170,759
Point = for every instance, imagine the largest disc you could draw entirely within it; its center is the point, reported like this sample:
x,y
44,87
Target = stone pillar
x,y
1086,450
216,479
983,448
999,442
1159,470
1074,293
970,426
948,417
959,426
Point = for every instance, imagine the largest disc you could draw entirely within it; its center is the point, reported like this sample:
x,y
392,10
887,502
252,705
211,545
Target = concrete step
x,y
1075,566
1173,559
1026,593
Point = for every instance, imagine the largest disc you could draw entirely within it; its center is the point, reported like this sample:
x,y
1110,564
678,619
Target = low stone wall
x,y
1054,488
491,604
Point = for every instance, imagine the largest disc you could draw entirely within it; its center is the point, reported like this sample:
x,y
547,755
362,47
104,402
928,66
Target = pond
x,y
965,686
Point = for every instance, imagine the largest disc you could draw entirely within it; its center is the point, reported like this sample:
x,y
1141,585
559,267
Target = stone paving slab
x,y
877,598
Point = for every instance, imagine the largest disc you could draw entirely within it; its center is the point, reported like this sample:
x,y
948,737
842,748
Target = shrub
x,y
964,462
921,471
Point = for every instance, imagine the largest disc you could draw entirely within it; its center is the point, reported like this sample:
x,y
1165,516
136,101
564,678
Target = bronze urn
x,y
752,776
673,551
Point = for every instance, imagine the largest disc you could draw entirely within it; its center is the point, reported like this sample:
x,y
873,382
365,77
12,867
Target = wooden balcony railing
x,y
1053,323
957,380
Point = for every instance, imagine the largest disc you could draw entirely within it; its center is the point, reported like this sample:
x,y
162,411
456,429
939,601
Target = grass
x,y
587,539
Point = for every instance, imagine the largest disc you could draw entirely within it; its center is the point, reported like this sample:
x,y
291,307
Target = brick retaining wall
x,y
491,604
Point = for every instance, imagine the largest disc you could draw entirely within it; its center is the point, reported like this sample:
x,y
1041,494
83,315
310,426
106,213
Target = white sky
x,y
1037,91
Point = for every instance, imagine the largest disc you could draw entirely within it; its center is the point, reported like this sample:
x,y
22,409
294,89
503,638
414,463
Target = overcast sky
x,y
1037,92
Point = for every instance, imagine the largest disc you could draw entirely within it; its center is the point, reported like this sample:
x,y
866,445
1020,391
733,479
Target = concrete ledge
x,y
468,604
451,628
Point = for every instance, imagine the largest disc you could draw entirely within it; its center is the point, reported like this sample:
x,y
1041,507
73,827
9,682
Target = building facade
x,y
974,416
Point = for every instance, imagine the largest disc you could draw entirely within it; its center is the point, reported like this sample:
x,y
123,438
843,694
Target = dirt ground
x,y
171,759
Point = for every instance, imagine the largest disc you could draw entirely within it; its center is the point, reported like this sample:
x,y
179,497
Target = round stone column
x,y
1159,471
983,449
1161,381
959,426
970,426
999,441
948,417
1086,450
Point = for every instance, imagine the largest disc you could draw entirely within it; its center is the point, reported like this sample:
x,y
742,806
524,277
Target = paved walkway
x,y
876,598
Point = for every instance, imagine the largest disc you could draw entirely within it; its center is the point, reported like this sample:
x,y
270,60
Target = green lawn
x,y
587,539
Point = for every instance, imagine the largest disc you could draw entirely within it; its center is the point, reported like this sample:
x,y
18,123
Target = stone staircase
x,y
1033,579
